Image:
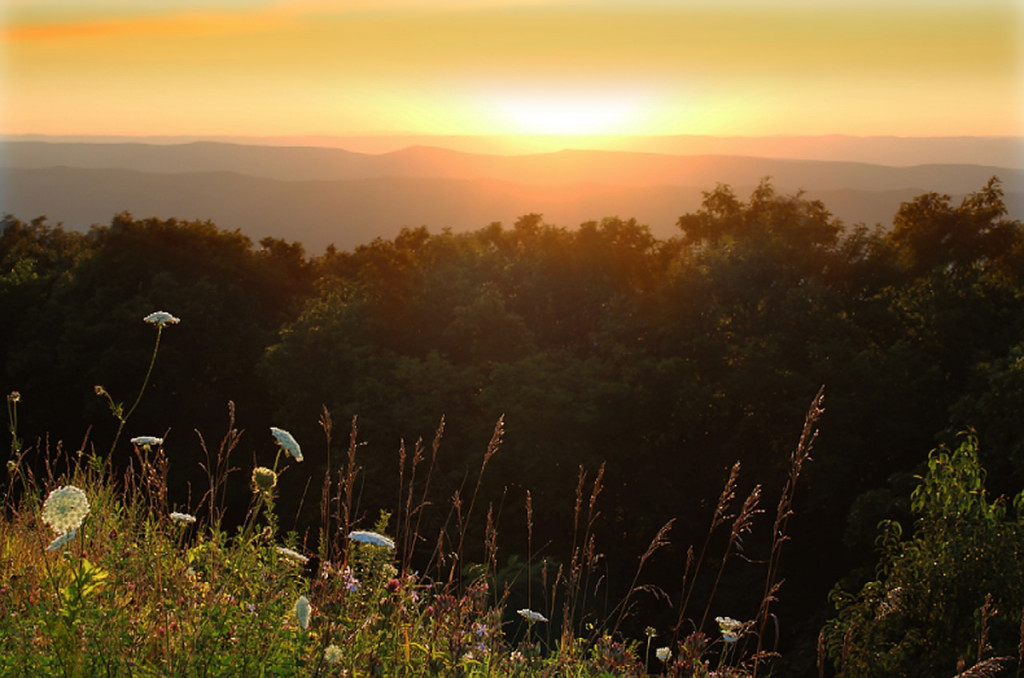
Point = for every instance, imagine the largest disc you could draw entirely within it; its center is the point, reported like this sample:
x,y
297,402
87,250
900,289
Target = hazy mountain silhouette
x,y
876,150
321,196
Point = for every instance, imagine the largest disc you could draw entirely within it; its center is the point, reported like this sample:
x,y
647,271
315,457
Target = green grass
x,y
138,593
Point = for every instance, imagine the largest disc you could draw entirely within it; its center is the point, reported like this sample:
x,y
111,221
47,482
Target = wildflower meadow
x,y
104,574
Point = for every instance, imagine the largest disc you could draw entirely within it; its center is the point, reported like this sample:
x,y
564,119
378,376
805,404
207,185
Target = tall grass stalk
x,y
783,512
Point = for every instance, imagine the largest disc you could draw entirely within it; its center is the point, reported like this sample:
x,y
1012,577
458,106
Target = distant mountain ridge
x,y
323,196
875,150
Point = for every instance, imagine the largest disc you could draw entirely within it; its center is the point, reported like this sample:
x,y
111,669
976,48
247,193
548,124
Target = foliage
x,y
130,587
665,360
948,596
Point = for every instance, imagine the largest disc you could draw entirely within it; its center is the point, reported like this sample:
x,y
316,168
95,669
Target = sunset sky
x,y
351,67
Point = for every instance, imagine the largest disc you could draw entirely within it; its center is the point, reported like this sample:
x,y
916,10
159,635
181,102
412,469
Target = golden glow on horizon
x,y
251,67
569,114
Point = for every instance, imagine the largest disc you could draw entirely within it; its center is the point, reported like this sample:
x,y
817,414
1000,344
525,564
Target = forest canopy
x,y
666,361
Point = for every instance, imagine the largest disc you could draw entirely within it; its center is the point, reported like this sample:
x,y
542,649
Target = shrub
x,y
950,596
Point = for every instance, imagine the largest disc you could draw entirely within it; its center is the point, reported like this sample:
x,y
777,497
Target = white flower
x,y
531,616
730,628
292,555
302,611
332,655
183,517
65,508
371,538
663,654
287,442
61,540
161,318
145,441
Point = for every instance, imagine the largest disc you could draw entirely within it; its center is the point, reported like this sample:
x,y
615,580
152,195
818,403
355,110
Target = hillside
x,y
323,196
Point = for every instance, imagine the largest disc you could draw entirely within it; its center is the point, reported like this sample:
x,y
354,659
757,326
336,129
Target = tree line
x,y
661,361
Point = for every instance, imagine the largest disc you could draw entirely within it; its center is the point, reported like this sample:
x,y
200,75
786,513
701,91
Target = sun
x,y
567,114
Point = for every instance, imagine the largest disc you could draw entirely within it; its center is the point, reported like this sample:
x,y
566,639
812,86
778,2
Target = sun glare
x,y
567,115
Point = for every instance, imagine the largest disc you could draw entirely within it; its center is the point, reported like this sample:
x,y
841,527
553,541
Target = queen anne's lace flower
x,y
161,319
332,655
183,517
65,508
663,654
303,611
144,441
264,479
287,442
375,538
292,555
531,616
730,628
61,540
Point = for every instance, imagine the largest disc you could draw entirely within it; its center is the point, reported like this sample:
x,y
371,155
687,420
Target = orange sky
x,y
342,67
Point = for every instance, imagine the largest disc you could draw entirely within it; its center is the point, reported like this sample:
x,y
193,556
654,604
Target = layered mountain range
x,y
322,195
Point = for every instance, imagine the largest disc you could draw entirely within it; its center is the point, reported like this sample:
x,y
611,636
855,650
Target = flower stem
x,y
123,419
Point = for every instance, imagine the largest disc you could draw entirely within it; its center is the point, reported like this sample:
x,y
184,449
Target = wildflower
x,y
183,517
516,657
302,611
65,508
264,479
371,538
161,319
480,629
146,441
13,397
292,555
531,616
61,540
351,583
332,655
287,442
730,628
663,654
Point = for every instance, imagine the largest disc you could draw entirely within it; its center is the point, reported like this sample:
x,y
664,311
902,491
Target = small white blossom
x,y
161,319
375,538
531,616
61,540
333,654
730,628
303,611
287,442
663,654
292,555
65,508
146,441
183,517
